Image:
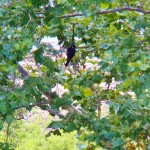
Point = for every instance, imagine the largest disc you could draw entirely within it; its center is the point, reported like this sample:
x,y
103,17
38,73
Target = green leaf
x,y
38,55
148,106
117,143
77,93
120,40
127,83
144,67
97,78
82,137
2,97
87,92
1,124
48,63
104,5
2,11
141,25
3,109
9,119
61,1
56,125
92,137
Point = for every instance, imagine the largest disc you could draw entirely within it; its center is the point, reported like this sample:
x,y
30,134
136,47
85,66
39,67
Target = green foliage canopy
x,y
116,32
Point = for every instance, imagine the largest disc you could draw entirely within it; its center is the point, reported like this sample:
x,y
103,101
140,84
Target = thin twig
x,y
99,108
7,133
30,20
70,15
98,101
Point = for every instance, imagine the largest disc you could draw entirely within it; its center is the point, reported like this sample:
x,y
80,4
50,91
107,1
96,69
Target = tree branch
x,y
71,15
23,71
51,111
109,11
124,9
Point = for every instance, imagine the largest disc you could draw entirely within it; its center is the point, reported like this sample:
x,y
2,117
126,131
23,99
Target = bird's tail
x,y
66,64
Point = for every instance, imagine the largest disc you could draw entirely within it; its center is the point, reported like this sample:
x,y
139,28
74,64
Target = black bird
x,y
70,53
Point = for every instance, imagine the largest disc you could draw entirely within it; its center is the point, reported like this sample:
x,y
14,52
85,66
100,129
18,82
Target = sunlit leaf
x,y
87,92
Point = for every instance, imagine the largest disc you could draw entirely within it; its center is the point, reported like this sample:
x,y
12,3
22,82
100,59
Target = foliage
x,y
118,39
31,134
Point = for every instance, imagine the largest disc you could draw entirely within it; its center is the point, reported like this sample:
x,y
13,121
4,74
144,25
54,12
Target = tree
x,y
114,32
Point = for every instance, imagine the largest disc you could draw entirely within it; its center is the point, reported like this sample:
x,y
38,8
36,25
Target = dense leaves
x,y
112,63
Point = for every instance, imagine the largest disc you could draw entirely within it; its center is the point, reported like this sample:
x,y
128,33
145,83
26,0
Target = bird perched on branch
x,y
70,53
72,49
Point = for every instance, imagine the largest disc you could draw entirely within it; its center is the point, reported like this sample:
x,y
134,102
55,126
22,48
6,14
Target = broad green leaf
x,y
2,11
144,67
117,143
97,78
77,93
127,83
9,119
3,109
83,136
2,97
141,25
148,106
48,63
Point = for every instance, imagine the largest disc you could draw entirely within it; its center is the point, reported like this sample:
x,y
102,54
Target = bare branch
x,y
30,20
99,103
23,71
124,9
109,11
71,15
